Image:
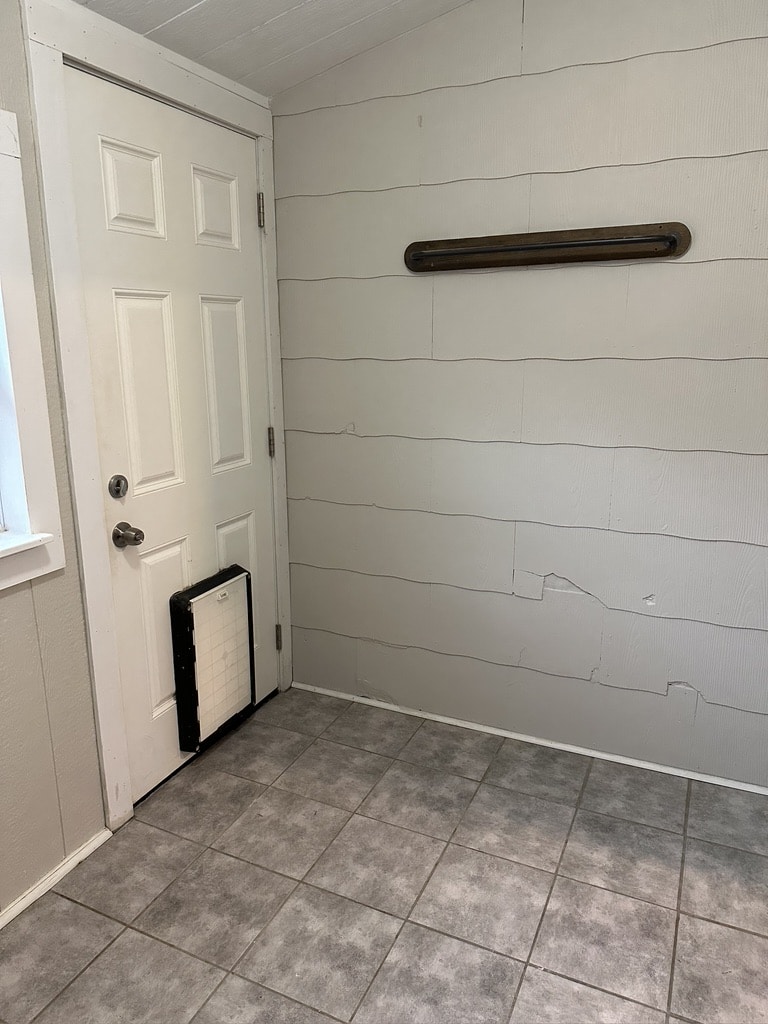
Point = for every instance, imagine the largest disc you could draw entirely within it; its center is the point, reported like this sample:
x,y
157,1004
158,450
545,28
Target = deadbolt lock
x,y
118,486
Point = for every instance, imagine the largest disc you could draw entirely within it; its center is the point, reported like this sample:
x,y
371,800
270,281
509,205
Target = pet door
x,y
212,633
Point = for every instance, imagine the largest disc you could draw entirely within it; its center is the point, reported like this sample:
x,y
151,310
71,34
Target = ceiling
x,y
270,45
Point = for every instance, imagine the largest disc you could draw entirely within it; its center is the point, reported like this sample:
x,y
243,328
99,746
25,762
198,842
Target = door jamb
x,y
58,30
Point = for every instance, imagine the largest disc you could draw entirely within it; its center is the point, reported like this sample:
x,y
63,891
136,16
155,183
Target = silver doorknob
x,y
124,535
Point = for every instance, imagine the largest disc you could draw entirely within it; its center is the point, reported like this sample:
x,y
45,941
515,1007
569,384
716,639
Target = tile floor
x,y
332,861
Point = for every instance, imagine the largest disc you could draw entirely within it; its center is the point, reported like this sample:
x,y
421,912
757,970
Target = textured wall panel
x,y
634,477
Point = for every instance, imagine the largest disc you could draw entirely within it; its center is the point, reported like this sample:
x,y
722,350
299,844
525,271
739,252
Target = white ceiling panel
x,y
348,42
210,25
270,45
139,15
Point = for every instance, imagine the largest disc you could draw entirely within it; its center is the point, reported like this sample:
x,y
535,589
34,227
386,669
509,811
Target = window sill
x,y
13,543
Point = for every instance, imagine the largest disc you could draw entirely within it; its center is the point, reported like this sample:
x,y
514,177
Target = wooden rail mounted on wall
x,y
585,245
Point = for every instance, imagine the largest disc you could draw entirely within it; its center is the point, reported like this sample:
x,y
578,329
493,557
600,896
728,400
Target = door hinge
x,y
260,207
271,442
279,637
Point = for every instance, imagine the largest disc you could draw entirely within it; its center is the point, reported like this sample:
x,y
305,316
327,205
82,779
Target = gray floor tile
x,y
43,949
377,864
420,799
198,803
136,981
516,826
450,748
607,940
374,729
486,900
302,711
124,875
720,974
730,886
729,816
237,1001
547,999
256,751
433,979
284,832
216,908
322,950
334,774
650,798
538,771
636,860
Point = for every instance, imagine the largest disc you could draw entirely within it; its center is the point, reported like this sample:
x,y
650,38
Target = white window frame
x,y
30,525
59,31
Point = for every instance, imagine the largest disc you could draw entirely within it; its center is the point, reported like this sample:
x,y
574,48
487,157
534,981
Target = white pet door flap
x,y
212,632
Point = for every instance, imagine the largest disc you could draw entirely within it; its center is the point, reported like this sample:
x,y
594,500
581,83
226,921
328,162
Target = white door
x,y
171,256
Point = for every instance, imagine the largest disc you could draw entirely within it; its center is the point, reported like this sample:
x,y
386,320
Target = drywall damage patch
x,y
721,583
567,632
370,692
528,585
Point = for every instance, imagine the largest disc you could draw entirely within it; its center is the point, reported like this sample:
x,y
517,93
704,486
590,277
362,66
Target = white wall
x,y
535,499
50,783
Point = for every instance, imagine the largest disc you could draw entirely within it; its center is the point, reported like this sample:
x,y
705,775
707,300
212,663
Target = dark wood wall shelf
x,y
535,248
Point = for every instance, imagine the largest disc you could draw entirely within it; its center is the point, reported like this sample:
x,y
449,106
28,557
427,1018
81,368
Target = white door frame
x,y
61,31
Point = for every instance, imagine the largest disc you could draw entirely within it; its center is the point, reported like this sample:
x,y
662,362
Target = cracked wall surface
x,y
531,499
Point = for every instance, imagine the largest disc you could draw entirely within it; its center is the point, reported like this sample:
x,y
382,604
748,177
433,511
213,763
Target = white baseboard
x,y
666,769
48,882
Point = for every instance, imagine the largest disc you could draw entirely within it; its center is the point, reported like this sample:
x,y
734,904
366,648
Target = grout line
x,y
93,910
378,969
539,741
524,75
554,881
179,949
82,971
596,988
323,1014
133,925
162,892
451,841
213,993
466,941
617,892
483,782
679,898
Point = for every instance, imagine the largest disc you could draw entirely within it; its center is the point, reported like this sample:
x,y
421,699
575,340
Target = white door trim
x,y
58,30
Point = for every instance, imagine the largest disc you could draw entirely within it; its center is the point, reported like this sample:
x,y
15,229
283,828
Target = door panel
x,y
133,189
150,389
171,256
236,542
217,217
226,373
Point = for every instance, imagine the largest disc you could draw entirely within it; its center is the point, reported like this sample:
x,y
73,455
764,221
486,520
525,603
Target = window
x,y
30,529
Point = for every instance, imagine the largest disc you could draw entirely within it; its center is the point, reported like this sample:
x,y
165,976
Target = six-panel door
x,y
171,258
